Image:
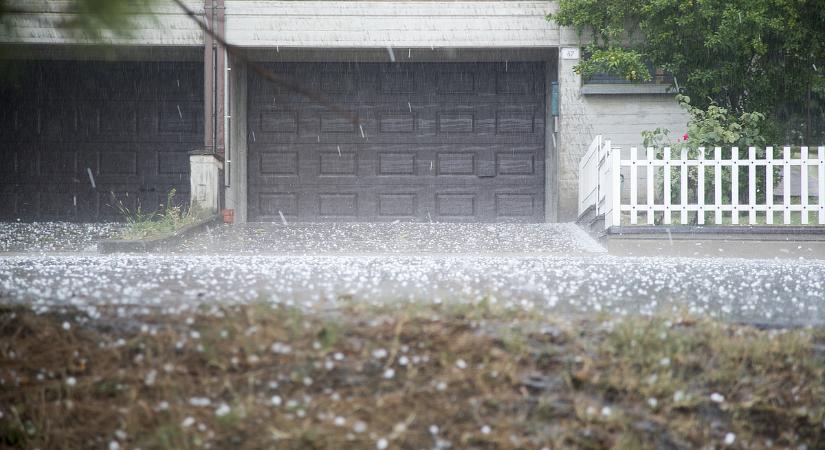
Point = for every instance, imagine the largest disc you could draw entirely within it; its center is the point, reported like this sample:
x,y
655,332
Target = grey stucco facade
x,y
448,32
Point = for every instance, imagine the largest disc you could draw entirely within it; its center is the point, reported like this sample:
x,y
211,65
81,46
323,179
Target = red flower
x,y
685,137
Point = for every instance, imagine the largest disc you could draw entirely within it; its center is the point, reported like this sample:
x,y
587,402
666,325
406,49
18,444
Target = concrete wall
x,y
416,24
163,24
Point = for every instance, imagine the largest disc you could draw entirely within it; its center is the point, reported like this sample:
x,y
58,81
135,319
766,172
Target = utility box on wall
x,y
205,179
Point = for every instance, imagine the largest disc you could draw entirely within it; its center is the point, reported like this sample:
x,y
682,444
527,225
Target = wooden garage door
x,y
456,142
75,133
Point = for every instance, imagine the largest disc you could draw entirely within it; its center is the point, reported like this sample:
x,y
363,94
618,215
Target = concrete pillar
x,y
575,126
205,181
236,149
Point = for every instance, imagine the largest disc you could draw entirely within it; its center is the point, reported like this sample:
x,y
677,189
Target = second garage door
x,y
79,138
452,142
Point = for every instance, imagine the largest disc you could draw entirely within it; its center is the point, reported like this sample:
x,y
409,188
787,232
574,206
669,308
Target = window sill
x,y
627,89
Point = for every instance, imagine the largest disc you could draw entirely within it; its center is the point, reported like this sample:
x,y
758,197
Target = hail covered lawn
x,y
369,336
448,376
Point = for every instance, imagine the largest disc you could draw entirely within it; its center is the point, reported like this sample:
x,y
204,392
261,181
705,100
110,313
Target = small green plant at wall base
x,y
166,220
710,128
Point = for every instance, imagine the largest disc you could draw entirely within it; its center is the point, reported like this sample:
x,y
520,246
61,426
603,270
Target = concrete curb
x,y
753,242
108,246
782,233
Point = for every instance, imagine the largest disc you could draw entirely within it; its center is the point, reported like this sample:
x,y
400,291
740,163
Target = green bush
x,y
710,128
614,61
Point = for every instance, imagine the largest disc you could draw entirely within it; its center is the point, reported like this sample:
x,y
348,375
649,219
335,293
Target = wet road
x,y
566,275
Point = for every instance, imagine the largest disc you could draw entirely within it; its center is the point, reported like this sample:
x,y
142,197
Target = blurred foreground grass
x,y
417,377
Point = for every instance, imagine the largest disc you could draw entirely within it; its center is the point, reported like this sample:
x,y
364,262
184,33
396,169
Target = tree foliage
x,y
743,55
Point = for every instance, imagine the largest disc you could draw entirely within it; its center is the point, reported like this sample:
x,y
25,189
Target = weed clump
x,y
169,218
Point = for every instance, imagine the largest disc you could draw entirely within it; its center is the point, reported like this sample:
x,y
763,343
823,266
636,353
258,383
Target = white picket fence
x,y
613,185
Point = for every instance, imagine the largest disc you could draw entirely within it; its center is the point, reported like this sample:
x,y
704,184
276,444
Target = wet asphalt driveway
x,y
545,267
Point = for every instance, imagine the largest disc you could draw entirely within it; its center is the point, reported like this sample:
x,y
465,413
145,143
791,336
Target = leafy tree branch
x,y
742,55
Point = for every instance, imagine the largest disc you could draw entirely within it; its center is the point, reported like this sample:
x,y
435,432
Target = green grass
x,y
165,221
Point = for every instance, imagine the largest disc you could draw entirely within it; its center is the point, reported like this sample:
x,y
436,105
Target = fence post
x,y
769,185
717,184
650,179
700,188
634,188
666,169
734,185
597,168
683,186
613,191
786,185
821,185
752,185
803,190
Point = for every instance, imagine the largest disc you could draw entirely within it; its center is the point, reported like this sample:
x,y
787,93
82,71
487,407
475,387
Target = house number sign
x,y
569,53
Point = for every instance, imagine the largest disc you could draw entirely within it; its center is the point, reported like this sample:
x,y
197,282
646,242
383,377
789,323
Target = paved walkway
x,y
393,238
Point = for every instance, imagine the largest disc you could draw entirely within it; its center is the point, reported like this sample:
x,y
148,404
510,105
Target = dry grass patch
x,y
261,376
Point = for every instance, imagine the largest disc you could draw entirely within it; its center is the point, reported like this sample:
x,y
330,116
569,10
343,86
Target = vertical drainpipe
x,y
220,76
208,80
214,63
220,94
214,66
206,163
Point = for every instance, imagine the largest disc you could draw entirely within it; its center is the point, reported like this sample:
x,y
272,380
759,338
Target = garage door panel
x,y
442,142
58,205
276,163
61,123
516,205
331,164
10,208
20,161
397,205
131,125
22,122
269,205
181,120
368,82
398,163
178,82
427,124
306,163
